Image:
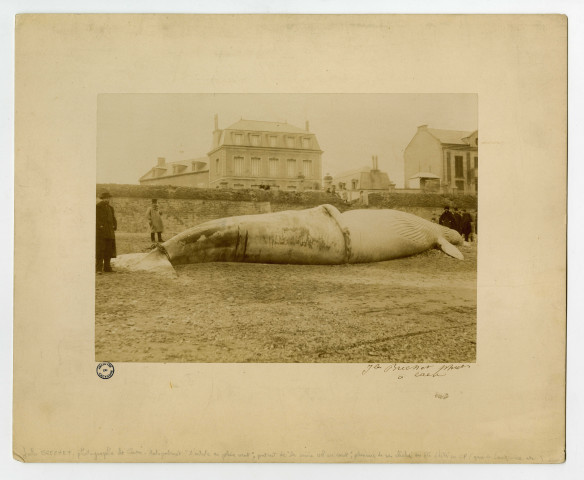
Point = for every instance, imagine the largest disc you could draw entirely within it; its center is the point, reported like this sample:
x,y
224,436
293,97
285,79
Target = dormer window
x,y
255,140
306,143
238,139
273,140
290,142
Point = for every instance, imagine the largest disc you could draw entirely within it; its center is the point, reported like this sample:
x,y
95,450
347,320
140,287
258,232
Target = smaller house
x,y
356,184
450,155
186,173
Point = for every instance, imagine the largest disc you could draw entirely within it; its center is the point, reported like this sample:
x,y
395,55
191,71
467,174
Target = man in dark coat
x,y
476,222
466,224
447,218
105,237
458,220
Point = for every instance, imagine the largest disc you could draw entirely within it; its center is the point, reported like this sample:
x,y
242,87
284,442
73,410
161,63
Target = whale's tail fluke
x,y
154,261
449,249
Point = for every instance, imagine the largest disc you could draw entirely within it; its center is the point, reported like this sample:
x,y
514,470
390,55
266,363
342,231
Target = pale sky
x,y
134,129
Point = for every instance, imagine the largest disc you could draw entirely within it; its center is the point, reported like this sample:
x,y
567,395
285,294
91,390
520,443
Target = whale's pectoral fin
x,y
449,249
155,261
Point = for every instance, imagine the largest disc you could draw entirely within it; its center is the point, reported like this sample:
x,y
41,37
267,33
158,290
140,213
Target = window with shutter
x,y
307,168
255,166
238,165
274,167
291,167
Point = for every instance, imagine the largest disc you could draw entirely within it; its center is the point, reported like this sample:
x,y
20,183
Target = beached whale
x,y
315,236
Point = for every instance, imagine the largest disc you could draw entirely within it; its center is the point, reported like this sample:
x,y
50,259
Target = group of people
x,y
461,221
106,226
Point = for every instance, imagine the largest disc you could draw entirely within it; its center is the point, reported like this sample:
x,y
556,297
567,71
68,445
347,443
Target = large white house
x,y
249,154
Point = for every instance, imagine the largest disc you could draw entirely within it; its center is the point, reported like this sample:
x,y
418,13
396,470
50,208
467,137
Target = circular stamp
x,y
105,370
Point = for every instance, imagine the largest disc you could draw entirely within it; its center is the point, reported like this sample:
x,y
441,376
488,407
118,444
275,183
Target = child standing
x,y
154,217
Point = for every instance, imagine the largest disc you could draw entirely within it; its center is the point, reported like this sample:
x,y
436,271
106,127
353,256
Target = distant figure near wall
x,y
363,198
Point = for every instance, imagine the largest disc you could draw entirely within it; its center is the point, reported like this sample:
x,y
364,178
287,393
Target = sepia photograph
x,y
285,263
286,228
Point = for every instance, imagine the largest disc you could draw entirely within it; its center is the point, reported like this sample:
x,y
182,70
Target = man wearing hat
x,y
466,225
447,218
154,217
105,237
458,220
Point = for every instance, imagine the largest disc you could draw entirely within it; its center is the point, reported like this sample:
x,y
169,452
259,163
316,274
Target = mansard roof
x,y
251,128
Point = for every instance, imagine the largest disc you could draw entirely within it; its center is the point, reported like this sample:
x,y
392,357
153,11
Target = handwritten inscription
x,y
402,371
109,454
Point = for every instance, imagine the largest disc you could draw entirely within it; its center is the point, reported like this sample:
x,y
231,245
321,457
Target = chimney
x,y
307,126
216,133
161,162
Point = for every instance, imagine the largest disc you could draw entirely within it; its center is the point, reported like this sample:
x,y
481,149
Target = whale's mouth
x,y
155,261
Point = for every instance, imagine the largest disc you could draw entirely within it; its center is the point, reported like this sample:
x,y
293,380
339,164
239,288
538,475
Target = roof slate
x,y
188,162
260,126
352,172
424,175
450,136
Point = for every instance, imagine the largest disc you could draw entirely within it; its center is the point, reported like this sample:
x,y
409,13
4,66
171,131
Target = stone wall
x,y
307,198
425,205
184,207
426,200
179,214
